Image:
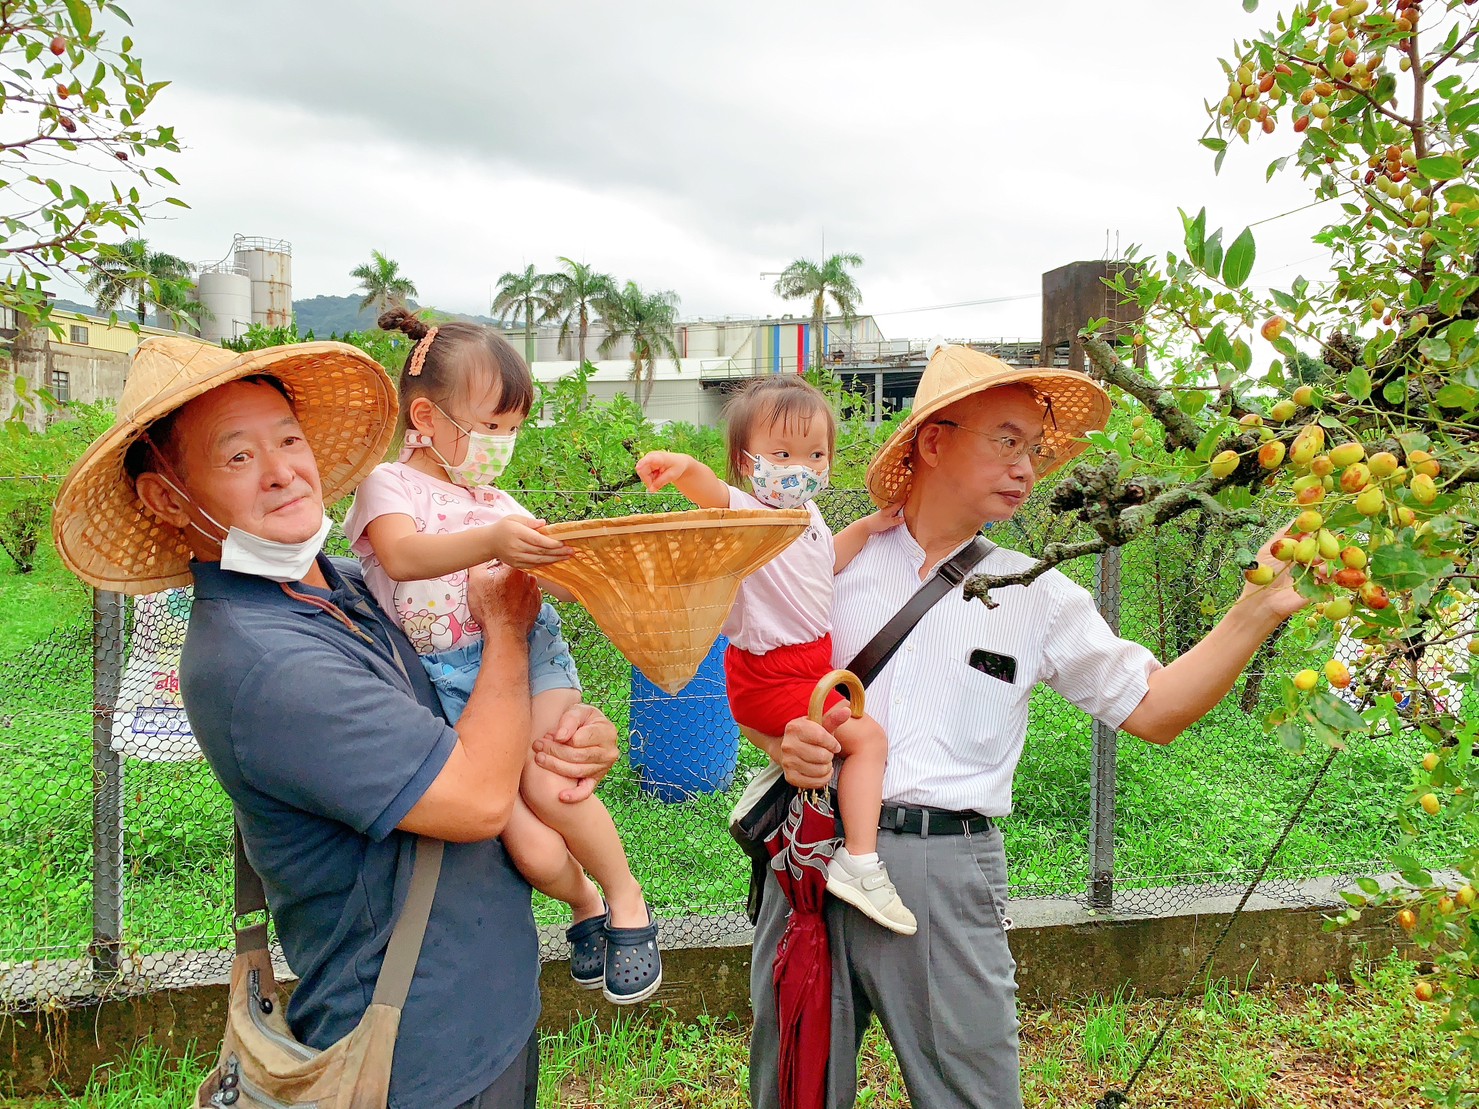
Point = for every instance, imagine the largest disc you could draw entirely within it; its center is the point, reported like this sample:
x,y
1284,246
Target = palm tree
x,y
131,271
648,320
804,279
382,282
572,294
522,296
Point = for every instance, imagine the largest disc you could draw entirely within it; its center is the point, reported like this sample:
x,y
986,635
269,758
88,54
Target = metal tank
x,y
269,265
225,290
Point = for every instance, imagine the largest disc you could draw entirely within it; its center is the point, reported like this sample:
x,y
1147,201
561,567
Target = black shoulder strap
x,y
878,650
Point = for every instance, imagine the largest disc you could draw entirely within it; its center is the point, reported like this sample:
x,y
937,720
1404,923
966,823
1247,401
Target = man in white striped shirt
x,y
953,700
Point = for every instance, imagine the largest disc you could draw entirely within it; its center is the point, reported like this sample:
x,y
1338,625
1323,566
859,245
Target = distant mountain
x,y
73,306
323,315
326,315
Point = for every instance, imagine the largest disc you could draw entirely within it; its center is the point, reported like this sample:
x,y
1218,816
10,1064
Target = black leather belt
x,y
905,820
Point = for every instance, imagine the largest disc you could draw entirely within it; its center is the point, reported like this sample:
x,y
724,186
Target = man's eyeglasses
x,y
1010,450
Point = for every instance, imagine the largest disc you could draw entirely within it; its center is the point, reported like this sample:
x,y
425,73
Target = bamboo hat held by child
x,y
345,404
1073,405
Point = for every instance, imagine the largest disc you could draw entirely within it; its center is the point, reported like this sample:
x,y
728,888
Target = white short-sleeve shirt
x,y
954,733
789,599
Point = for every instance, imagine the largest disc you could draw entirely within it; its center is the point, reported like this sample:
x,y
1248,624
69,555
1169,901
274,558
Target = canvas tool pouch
x,y
262,1064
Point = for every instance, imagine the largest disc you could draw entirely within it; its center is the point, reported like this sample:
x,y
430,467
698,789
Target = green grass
x,y
1206,808
1366,1043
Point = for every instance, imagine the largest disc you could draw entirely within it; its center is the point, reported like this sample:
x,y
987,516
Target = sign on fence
x,y
149,720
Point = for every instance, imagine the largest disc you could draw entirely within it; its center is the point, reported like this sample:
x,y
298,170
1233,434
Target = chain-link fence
x,y
115,840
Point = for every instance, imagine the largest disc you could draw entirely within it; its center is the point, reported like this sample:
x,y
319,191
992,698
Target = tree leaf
x,y
1441,167
1212,254
1242,355
1334,713
1250,5
81,13
1400,567
1239,261
1358,383
1196,235
1455,395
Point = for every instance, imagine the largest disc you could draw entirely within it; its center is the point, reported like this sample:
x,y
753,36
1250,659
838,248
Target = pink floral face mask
x,y
487,455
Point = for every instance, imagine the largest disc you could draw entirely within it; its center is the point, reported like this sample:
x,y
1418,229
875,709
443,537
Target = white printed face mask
x,y
785,486
487,455
245,553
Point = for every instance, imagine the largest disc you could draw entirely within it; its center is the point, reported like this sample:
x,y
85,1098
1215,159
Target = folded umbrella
x,y
800,850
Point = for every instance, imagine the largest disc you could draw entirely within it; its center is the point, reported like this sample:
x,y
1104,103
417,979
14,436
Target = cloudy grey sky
x,y
961,147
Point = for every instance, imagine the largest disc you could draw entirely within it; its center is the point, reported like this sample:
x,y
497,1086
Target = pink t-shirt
x,y
789,599
433,613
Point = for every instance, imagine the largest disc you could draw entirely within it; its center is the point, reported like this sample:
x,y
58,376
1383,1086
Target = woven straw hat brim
x,y
1080,405
660,586
346,405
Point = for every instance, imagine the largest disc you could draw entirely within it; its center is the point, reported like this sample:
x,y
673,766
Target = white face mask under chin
x,y
245,553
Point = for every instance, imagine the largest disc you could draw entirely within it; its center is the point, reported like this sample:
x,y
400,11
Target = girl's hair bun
x,y
403,319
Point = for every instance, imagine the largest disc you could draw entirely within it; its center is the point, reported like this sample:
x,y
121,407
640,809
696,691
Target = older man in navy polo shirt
x,y
315,713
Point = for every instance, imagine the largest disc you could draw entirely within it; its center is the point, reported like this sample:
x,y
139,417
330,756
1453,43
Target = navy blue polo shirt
x,y
324,744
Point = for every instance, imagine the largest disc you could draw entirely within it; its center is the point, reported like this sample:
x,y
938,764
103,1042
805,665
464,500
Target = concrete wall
x,y
1061,951
92,375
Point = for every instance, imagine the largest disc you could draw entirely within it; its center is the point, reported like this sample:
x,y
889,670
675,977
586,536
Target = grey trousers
x,y
946,996
517,1087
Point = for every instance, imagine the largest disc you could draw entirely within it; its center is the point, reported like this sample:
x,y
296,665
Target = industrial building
x,y
252,284
87,358
718,355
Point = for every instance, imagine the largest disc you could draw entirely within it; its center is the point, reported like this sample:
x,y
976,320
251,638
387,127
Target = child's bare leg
x,y
856,874
860,782
546,863
586,826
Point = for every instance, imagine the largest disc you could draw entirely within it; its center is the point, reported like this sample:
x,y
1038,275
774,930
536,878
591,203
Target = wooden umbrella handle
x,y
848,681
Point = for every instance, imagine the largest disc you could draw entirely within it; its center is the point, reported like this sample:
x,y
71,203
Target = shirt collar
x,y
214,583
915,553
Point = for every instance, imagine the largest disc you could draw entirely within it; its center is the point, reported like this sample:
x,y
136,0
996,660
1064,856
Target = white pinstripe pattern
x,y
954,733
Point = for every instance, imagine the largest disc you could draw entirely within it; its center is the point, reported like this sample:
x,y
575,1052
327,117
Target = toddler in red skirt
x,y
780,436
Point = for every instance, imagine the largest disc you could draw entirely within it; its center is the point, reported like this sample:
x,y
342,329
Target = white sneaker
x,y
871,892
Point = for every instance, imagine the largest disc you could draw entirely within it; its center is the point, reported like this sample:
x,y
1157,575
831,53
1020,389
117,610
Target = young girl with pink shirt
x,y
420,525
780,437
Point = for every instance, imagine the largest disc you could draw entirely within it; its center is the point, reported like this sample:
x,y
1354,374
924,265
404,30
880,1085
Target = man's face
x,y
974,457
244,461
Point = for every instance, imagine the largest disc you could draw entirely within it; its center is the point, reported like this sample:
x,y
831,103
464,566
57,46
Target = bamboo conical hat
x,y
661,585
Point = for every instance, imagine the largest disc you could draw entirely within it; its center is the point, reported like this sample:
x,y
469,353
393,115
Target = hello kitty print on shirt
x,y
433,613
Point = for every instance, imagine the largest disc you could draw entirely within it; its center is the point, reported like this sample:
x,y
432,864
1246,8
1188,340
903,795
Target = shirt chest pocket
x,y
982,715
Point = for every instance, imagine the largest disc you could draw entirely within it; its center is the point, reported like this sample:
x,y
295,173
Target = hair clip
x,y
418,356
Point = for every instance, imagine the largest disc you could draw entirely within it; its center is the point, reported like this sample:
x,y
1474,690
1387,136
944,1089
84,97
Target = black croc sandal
x,y
633,965
588,951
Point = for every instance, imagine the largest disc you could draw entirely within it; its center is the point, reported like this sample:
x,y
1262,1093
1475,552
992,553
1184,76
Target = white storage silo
x,y
226,292
268,263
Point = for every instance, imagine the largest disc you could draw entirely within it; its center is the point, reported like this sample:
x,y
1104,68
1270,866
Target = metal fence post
x,y
1102,773
107,786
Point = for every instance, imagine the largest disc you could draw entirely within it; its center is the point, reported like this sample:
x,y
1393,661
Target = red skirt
x,y
767,692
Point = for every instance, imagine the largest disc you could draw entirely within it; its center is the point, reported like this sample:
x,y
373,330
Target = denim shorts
x,y
550,665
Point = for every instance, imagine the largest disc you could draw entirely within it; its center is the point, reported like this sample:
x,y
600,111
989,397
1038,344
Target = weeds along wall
x,y
115,858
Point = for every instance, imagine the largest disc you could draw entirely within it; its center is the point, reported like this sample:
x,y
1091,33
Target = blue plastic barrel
x,y
686,743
